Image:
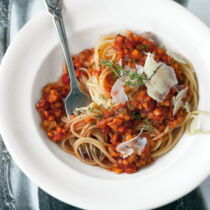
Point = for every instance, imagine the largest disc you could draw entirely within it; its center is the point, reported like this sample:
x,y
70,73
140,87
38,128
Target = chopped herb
x,y
136,116
144,47
128,83
101,97
134,60
148,126
99,116
129,106
134,79
90,109
101,105
109,107
112,67
112,115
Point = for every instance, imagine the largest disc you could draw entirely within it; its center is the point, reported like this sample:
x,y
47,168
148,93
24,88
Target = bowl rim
x,y
33,25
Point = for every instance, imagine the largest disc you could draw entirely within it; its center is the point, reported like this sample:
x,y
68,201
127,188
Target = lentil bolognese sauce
x,y
143,99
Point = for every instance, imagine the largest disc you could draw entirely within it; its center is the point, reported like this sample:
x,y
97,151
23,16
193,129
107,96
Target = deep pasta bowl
x,y
35,59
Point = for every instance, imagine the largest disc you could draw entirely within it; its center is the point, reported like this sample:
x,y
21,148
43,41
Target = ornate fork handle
x,y
55,8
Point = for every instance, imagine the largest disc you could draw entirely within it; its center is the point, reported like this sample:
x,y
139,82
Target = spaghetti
x,y
105,124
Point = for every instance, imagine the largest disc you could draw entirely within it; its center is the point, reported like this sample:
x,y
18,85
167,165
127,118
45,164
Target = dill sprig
x,y
148,126
99,116
113,67
144,47
132,78
90,109
136,116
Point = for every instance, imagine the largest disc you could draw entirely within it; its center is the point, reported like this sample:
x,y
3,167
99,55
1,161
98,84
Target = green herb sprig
x,y
144,47
148,126
113,67
136,116
99,116
90,109
133,78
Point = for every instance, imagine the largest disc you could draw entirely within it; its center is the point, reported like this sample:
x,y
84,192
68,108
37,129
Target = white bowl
x,y
34,59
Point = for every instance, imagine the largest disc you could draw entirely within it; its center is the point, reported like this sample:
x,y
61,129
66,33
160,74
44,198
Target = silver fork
x,y
89,154
76,97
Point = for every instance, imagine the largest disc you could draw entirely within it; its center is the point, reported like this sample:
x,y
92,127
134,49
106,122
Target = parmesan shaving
x,y
150,65
178,100
175,56
120,62
177,106
118,93
136,144
147,35
140,69
182,94
161,82
128,68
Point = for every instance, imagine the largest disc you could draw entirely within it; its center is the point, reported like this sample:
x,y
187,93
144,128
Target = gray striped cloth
x,y
16,190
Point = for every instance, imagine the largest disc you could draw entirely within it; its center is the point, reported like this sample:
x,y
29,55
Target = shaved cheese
x,y
161,82
128,68
175,56
182,94
140,69
177,106
136,144
120,62
179,87
187,106
178,100
150,65
153,37
125,77
118,93
147,35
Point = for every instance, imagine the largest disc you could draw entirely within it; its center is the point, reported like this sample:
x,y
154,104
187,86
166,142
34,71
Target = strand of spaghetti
x,y
89,128
65,147
102,43
86,71
100,160
82,119
98,89
85,129
166,131
102,77
173,139
193,115
101,137
88,140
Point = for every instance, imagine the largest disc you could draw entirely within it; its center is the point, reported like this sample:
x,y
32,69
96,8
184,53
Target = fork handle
x,y
55,8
